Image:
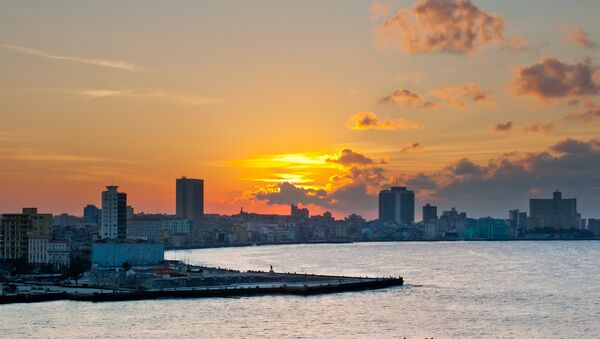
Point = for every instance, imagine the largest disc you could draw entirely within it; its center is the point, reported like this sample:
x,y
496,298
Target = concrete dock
x,y
226,283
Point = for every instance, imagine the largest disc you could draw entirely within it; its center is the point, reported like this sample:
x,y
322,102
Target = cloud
x,y
517,44
539,127
446,96
447,26
348,157
173,97
579,36
100,93
370,120
407,98
590,112
460,96
507,182
352,188
88,61
411,148
551,78
572,146
379,10
465,167
503,127
352,191
482,188
286,193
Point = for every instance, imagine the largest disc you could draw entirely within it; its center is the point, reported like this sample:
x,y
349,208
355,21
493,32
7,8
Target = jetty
x,y
193,282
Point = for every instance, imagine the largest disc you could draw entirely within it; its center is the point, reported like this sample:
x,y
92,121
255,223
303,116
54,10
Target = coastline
x,y
167,248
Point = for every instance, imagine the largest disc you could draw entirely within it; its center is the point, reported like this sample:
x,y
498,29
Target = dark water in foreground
x,y
459,289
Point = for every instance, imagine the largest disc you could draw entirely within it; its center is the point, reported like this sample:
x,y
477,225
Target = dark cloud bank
x,y
480,189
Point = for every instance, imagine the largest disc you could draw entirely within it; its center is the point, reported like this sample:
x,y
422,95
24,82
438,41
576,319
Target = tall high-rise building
x,y
430,213
513,216
397,205
557,213
114,214
190,199
92,214
17,228
518,220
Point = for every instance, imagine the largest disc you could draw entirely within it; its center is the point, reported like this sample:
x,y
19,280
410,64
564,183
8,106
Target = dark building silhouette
x,y
430,213
452,221
92,214
299,213
518,219
397,205
190,199
594,226
557,213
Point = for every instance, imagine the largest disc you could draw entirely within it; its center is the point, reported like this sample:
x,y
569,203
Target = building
x,y
130,211
397,205
66,220
485,229
37,250
1,238
299,213
16,230
556,213
517,220
135,254
59,254
430,213
145,227
452,222
114,214
177,226
594,226
190,199
92,214
44,251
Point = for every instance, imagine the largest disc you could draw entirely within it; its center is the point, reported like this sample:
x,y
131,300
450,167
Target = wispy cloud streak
x,y
88,61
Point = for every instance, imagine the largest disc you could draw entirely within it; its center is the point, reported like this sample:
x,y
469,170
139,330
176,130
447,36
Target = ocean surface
x,y
453,289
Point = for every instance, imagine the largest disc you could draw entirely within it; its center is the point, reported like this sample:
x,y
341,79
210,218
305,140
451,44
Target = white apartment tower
x,y
114,214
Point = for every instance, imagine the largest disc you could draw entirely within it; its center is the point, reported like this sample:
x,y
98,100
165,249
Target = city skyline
x,y
322,112
395,205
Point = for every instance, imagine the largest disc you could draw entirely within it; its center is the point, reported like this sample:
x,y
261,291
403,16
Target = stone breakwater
x,y
314,284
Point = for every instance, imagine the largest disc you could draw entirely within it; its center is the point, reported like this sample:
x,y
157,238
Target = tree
x,y
78,267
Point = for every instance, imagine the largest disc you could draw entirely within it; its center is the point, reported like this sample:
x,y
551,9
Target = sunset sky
x,y
477,105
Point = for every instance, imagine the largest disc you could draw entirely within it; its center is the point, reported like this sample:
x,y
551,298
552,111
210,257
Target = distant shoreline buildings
x,y
128,237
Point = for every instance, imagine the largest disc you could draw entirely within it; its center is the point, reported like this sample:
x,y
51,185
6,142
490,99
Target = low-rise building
x,y
42,250
177,225
113,254
485,229
145,227
59,254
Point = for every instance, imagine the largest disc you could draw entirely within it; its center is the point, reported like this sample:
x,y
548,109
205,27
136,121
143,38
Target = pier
x,y
233,284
